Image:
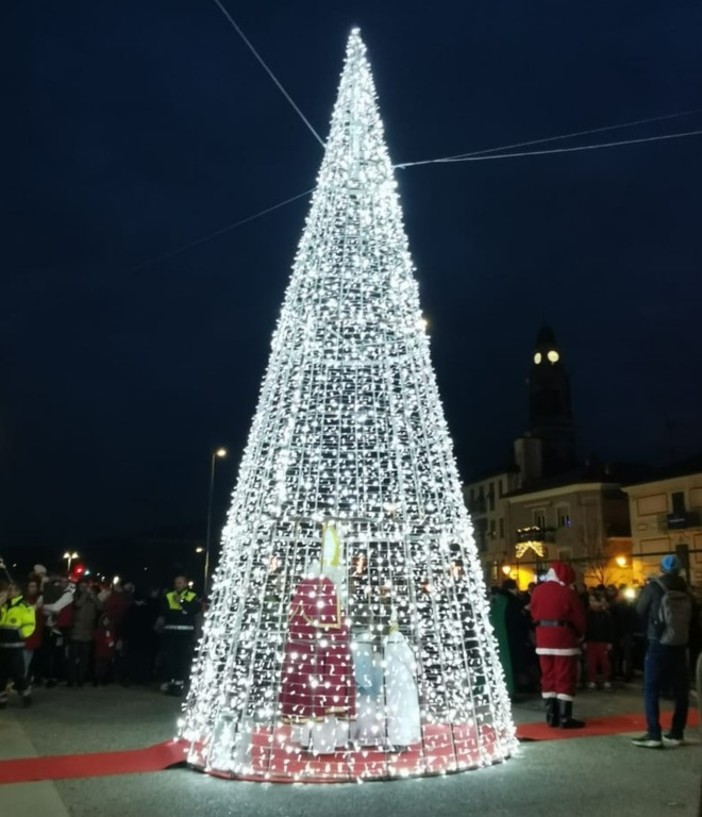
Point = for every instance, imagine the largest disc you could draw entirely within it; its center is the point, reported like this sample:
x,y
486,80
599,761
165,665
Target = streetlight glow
x,y
69,557
217,453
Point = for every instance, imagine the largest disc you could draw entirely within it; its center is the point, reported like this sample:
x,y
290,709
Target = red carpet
x,y
62,767
164,755
597,727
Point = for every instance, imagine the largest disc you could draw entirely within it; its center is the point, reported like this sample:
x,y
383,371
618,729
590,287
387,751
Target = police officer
x,y
17,623
179,611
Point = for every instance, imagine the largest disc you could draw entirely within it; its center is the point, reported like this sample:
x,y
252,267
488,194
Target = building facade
x,y
666,517
579,519
547,507
486,501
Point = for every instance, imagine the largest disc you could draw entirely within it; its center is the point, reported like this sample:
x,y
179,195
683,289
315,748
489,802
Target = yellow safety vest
x,y
17,622
173,603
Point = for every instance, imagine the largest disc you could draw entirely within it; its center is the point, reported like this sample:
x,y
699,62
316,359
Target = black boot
x,y
566,716
552,714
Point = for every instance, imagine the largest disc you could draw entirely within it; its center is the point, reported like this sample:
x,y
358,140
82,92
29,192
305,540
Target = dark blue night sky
x,y
144,125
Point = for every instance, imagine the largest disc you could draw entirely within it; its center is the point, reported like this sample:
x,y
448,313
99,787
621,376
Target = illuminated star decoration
x,y
349,432
530,539
537,547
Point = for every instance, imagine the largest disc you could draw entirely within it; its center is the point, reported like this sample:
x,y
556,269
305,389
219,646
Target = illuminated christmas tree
x,y
348,632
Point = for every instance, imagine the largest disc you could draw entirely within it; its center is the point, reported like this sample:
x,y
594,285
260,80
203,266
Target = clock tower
x,y
550,405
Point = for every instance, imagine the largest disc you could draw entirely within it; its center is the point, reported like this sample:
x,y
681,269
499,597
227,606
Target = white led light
x,y
348,572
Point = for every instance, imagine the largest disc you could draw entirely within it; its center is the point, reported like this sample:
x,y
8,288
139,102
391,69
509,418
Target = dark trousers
x,y
623,658
104,666
665,667
53,659
140,663
177,655
12,668
78,661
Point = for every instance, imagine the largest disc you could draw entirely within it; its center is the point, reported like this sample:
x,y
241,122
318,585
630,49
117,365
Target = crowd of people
x,y
552,639
57,629
557,637
612,646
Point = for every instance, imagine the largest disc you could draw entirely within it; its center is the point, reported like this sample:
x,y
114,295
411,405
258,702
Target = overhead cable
x,y
270,73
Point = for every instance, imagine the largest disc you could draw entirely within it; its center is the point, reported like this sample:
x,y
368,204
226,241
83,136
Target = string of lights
x,y
348,616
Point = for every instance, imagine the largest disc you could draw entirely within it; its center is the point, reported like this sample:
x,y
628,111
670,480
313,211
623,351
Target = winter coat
x,y
35,639
560,619
600,627
104,641
85,610
650,601
116,606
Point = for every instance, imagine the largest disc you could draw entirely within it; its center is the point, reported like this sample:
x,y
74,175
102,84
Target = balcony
x,y
478,506
679,521
536,534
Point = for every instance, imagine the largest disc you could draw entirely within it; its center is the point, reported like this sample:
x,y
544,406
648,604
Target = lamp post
x,y
69,556
218,453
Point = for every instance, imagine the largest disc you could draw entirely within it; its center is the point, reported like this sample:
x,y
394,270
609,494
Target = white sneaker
x,y
591,685
607,686
648,742
671,742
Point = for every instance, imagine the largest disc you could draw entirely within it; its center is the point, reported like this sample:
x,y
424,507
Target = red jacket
x,y
34,640
104,641
115,606
554,602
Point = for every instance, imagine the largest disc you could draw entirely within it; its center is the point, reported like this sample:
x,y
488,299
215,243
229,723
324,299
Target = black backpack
x,y
674,616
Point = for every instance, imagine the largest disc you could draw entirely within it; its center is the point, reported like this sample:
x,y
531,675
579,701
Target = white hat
x,y
40,570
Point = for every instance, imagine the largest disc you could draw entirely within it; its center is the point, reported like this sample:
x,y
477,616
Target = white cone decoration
x,y
348,633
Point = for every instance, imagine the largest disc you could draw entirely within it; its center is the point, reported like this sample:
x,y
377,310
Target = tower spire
x,y
348,445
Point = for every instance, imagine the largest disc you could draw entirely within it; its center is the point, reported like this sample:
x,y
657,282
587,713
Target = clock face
x,y
553,356
537,358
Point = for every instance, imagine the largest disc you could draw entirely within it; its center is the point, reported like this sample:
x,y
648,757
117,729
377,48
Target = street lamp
x,y
69,557
218,453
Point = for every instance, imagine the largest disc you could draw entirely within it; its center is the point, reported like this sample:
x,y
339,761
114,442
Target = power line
x,y
268,71
478,156
546,139
178,250
575,149
94,285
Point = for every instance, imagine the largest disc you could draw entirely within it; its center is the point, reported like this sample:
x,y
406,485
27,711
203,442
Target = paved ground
x,y
586,776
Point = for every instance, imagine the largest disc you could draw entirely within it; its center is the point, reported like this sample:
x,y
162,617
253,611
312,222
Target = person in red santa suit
x,y
317,681
560,621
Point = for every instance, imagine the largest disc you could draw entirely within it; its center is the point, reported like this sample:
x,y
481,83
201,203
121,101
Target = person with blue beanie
x,y
665,607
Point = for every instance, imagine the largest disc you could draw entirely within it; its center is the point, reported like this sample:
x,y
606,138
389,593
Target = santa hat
x,y
562,573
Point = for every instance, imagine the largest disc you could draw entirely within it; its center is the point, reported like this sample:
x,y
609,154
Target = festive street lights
x,y
69,556
218,453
